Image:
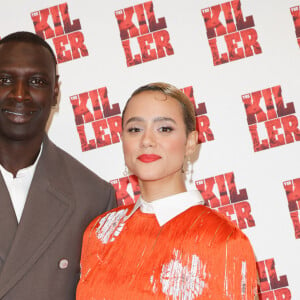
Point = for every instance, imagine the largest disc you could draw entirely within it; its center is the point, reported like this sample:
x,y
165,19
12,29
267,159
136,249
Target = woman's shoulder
x,y
213,221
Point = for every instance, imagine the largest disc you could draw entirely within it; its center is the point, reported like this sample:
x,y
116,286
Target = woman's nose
x,y
148,139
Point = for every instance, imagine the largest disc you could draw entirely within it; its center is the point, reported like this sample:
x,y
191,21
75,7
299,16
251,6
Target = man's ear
x,y
191,143
56,91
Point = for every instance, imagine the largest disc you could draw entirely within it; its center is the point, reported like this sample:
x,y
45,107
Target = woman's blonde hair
x,y
171,91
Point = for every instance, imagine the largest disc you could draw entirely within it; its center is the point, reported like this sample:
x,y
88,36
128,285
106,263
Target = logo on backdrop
x,y
272,123
295,11
272,286
232,39
144,38
220,193
98,122
292,189
55,23
202,120
127,190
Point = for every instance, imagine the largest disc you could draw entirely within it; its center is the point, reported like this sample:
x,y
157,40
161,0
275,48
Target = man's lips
x,y
18,116
148,158
17,113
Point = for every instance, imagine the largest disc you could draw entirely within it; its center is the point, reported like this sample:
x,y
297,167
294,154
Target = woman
x,y
168,245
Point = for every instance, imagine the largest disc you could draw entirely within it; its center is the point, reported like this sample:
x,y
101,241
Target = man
x,y
47,198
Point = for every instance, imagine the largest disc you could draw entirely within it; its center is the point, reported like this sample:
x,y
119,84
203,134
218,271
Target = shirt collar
x,y
169,207
28,171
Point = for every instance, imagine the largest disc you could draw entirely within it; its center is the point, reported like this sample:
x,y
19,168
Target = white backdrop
x,y
258,189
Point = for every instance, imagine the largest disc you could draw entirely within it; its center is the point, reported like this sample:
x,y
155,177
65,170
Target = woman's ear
x,y
191,143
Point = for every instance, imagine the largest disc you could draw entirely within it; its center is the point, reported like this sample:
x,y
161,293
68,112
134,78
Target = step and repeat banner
x,y
238,62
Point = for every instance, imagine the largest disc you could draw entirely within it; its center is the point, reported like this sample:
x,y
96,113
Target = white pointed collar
x,y
169,207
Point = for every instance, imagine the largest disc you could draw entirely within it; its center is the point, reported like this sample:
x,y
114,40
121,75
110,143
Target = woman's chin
x,y
148,178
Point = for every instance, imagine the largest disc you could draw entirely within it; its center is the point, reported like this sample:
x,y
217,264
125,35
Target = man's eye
x,y
5,80
38,81
165,129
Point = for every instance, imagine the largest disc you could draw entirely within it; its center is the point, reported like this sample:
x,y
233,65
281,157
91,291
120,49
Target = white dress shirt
x,y
18,187
169,207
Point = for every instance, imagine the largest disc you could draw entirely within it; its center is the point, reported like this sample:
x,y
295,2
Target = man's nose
x,y
21,90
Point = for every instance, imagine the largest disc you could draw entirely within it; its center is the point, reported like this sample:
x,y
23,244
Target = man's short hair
x,y
28,37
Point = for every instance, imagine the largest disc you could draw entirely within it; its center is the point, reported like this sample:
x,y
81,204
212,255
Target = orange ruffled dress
x,y
198,254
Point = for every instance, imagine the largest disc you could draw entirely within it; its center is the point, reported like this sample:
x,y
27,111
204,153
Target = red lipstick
x,y
148,158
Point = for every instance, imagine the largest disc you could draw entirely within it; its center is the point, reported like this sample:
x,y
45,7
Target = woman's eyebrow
x,y
159,119
134,119
155,120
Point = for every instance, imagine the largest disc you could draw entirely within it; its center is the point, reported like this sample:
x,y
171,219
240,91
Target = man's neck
x,y
17,155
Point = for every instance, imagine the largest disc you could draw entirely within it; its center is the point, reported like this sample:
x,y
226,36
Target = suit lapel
x,y
8,222
48,207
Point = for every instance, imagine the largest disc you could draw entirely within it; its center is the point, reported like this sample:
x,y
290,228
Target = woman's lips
x,y
148,158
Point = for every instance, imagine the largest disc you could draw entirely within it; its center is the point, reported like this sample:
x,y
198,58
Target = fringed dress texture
x,y
198,254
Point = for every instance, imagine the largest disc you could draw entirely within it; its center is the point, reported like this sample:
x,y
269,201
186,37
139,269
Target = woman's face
x,y
154,136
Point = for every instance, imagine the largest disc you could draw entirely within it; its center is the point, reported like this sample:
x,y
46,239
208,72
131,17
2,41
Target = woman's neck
x,y
157,189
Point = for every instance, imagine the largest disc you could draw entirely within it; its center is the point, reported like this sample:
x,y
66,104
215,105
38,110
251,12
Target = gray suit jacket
x,y
63,198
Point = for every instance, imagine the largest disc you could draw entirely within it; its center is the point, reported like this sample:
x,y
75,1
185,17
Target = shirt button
x,y
63,263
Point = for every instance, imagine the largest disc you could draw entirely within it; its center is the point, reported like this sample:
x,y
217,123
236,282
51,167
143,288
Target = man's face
x,y
28,90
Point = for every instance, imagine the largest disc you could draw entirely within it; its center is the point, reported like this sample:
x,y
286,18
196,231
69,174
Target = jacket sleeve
x,y
112,203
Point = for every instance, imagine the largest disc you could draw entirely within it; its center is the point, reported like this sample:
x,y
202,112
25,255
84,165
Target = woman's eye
x,y
165,129
133,129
